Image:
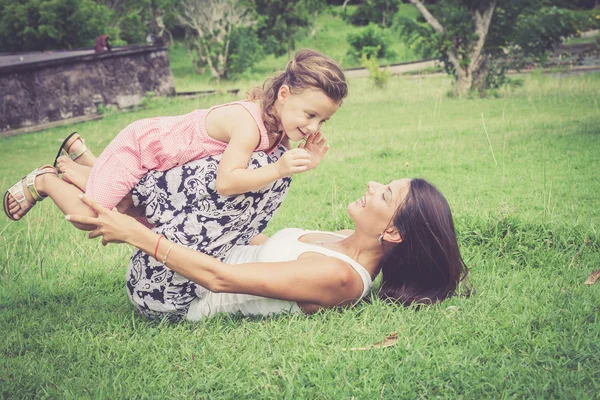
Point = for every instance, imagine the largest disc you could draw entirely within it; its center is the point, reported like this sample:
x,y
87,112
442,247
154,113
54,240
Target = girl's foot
x,y
23,195
74,148
73,173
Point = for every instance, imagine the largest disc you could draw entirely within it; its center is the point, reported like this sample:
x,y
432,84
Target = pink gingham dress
x,y
157,144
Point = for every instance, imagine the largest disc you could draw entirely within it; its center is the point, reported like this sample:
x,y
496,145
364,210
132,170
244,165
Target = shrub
x,y
378,76
244,51
371,41
379,12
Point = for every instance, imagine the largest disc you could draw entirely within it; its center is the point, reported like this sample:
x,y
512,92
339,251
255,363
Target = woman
x,y
403,229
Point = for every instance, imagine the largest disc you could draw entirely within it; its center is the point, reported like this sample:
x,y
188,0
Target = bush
x,y
371,41
133,29
378,76
378,12
49,25
244,51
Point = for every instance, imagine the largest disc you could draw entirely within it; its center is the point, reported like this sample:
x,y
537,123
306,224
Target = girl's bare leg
x,y
65,196
78,175
77,171
73,172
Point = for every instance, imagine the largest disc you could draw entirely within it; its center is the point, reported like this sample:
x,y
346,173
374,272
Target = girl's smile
x,y
302,114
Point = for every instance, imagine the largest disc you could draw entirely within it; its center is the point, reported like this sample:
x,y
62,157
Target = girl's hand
x,y
113,226
293,162
316,146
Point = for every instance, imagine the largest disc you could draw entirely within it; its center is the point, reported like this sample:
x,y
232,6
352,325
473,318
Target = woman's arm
x,y
313,278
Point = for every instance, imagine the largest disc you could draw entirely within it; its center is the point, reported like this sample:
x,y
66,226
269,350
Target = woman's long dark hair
x,y
426,266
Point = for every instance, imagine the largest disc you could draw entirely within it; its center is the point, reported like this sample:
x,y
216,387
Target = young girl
x,y
291,106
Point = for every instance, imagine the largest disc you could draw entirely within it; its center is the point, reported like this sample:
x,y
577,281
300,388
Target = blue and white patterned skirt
x,y
185,208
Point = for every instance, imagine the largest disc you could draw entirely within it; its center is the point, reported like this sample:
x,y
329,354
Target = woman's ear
x,y
392,235
283,94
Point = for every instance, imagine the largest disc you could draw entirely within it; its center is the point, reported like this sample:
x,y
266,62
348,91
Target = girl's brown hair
x,y
308,70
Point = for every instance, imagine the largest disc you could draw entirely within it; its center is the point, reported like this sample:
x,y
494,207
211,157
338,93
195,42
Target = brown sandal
x,y
64,148
17,191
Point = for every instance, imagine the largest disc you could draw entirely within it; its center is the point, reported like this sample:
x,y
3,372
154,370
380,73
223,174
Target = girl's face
x,y
373,212
303,113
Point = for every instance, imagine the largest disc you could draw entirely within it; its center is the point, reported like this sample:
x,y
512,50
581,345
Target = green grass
x,y
527,223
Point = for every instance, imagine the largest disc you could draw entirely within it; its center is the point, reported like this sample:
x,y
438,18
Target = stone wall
x,y
46,91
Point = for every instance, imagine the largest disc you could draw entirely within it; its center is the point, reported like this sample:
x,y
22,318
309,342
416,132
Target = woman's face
x,y
373,212
303,113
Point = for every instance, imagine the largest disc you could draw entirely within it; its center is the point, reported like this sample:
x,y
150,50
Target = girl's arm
x,y
242,135
313,278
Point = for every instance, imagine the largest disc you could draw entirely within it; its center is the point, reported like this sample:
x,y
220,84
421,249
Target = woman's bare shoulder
x,y
346,232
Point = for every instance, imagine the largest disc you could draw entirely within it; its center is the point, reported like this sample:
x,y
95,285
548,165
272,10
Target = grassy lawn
x,y
526,208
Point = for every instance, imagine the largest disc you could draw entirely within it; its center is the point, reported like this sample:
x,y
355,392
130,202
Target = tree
x,y
70,24
375,11
51,25
281,22
479,39
209,27
136,19
464,51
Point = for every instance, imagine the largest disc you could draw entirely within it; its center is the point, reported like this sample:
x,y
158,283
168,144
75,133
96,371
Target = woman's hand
x,y
113,226
316,146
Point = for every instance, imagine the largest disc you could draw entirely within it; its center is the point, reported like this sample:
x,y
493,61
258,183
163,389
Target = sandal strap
x,y
17,191
77,153
30,180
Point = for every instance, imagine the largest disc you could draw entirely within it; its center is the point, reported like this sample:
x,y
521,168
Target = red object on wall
x,y
101,44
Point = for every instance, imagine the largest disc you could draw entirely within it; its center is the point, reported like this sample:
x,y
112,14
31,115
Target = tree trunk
x,y
199,62
463,82
482,17
480,75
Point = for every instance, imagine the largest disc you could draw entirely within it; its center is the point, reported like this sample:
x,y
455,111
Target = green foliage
x,y
133,28
51,24
371,41
244,51
521,31
379,12
378,76
28,25
138,18
281,23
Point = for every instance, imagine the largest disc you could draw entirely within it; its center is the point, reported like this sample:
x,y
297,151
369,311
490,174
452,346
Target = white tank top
x,y
283,246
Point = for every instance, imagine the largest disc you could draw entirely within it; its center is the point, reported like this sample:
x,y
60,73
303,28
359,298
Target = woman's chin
x,y
352,209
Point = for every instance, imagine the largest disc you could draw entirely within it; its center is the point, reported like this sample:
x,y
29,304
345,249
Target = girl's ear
x,y
392,235
283,94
